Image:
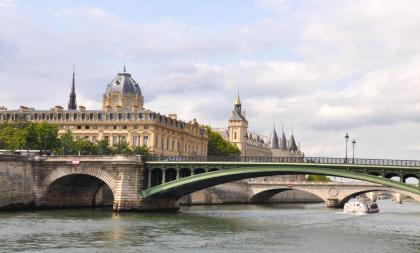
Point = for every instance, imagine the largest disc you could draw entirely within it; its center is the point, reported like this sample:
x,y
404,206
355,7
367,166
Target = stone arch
x,y
265,195
59,188
62,172
393,192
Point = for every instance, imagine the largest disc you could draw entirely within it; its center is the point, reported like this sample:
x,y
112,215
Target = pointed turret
x,y
274,143
283,145
293,147
72,101
238,103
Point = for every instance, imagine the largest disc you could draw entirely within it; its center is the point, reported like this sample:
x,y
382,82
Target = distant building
x,y
123,118
252,144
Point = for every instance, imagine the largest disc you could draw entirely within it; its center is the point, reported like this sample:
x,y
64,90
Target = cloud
x,y
321,67
8,4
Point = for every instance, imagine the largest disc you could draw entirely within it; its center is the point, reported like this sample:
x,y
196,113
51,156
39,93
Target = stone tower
x,y
72,101
238,126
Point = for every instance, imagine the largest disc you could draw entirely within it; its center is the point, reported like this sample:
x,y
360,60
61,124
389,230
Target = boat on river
x,y
361,206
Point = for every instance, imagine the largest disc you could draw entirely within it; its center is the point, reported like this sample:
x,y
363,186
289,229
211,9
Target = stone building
x,y
123,118
253,144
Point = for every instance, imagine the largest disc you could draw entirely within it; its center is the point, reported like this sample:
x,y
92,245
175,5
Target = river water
x,y
230,228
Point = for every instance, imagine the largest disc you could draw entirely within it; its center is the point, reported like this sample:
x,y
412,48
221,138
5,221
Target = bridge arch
x,y
392,192
266,195
78,188
187,185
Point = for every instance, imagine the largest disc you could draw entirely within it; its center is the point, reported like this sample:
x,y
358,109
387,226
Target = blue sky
x,y
322,67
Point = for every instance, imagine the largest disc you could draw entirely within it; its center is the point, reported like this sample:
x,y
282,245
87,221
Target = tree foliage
x,y
28,135
218,146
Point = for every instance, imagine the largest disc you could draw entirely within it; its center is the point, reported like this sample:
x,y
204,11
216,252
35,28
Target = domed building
x,y
123,93
123,118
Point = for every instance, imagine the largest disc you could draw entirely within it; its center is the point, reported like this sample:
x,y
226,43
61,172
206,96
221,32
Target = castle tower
x,y
72,101
238,127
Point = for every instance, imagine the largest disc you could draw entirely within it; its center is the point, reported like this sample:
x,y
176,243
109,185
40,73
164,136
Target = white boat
x,y
361,206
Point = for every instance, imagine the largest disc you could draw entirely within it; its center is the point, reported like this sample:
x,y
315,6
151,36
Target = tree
x,y
104,148
48,136
31,137
67,145
318,178
122,148
143,151
218,146
85,147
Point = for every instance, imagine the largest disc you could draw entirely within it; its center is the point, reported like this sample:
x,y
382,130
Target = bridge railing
x,y
317,160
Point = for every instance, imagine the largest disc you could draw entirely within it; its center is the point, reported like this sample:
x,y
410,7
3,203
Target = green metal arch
x,y
187,185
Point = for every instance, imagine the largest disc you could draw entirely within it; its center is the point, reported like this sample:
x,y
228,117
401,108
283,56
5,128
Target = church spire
x,y
72,101
238,103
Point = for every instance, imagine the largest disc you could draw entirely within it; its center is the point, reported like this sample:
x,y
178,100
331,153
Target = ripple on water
x,y
241,228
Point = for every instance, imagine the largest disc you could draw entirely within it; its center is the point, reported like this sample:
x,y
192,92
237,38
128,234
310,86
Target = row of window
x,y
115,127
91,116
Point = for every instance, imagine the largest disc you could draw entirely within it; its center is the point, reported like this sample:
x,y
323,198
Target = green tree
x,y
85,147
122,148
318,178
104,148
143,151
12,136
66,145
31,137
218,146
48,136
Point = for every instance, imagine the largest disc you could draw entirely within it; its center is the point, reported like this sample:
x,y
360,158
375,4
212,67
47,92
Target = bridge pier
x,y
333,203
398,198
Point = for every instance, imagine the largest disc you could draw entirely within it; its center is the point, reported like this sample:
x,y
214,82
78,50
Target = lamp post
x,y
346,137
354,145
246,141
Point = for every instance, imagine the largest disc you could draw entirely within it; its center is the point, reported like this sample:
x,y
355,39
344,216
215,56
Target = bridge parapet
x,y
311,160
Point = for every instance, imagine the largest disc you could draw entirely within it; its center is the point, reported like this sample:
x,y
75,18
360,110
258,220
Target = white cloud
x,y
323,67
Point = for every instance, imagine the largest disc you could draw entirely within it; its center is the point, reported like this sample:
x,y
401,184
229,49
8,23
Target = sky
x,y
317,68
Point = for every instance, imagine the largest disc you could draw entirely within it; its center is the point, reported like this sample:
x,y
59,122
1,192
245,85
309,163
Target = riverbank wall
x,y
16,184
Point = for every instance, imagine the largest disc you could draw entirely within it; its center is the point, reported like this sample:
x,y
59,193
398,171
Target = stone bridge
x,y
334,194
71,181
128,183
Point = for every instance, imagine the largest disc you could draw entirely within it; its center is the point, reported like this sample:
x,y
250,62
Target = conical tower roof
x,y
283,145
274,143
293,146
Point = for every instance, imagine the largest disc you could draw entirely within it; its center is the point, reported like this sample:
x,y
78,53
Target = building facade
x,y
123,118
253,144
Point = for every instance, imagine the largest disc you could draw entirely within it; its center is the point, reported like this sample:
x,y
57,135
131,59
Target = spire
x,y
274,143
124,69
72,101
283,145
238,103
293,146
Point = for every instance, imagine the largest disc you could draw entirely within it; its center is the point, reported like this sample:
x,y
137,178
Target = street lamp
x,y
346,137
246,141
354,145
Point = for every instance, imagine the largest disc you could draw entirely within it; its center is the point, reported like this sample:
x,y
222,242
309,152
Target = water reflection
x,y
235,228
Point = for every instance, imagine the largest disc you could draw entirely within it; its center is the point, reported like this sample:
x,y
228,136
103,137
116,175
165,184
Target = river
x,y
228,228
